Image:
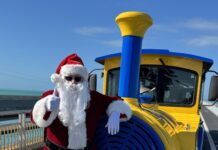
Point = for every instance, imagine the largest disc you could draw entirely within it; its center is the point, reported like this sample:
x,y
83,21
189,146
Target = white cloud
x,y
115,43
195,23
90,31
201,24
204,41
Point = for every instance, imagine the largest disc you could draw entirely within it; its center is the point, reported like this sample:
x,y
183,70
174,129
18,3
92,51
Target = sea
x,y
11,100
19,92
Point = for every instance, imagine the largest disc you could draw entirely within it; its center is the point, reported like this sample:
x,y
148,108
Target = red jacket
x,y
58,134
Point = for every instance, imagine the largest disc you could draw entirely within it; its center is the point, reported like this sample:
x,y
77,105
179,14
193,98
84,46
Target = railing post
x,y
22,120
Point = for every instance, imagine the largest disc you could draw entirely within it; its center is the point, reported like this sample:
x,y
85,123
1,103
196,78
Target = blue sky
x,y
36,34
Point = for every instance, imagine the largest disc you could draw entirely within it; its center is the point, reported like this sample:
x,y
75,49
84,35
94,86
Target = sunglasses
x,y
76,78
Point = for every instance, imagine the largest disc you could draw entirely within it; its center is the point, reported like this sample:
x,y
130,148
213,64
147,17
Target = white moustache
x,y
74,101
74,87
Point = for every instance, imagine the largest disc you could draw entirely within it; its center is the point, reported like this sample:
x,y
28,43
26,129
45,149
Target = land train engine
x,y
164,90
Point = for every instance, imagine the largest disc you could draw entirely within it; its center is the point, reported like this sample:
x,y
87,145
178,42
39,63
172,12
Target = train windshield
x,y
168,85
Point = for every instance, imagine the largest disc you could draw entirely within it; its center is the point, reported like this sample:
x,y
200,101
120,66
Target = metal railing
x,y
20,133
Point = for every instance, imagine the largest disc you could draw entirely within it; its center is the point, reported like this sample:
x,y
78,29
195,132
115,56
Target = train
x,y
164,89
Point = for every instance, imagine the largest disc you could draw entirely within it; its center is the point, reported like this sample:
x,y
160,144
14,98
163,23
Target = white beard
x,y
74,100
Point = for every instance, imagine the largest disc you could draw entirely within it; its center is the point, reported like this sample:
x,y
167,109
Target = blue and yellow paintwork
x,y
132,26
133,23
177,127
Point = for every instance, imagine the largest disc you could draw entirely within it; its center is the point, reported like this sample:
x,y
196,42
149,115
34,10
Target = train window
x,y
113,82
169,85
176,86
148,79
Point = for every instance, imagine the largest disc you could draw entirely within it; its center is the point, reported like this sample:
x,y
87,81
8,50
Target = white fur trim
x,y
77,138
39,111
120,106
55,78
74,69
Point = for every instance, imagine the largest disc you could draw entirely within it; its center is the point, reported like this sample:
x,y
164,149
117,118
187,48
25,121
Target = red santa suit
x,y
59,135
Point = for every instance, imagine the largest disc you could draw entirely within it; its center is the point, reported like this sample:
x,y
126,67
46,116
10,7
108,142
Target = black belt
x,y
53,146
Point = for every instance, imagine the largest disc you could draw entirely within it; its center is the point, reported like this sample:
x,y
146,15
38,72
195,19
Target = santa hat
x,y
72,64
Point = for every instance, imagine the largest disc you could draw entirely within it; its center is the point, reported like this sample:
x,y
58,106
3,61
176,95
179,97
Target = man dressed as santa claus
x,y
70,113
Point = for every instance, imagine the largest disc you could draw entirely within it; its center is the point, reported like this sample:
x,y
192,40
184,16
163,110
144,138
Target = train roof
x,y
207,61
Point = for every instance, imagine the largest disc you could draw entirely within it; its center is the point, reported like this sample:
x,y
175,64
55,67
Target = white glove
x,y
53,102
113,123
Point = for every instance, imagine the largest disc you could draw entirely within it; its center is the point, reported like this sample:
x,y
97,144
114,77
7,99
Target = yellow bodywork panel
x,y
177,126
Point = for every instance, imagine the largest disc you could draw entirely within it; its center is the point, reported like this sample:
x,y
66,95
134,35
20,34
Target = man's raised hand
x,y
53,101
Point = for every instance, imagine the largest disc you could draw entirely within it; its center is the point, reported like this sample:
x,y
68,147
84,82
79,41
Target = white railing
x,y
20,133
